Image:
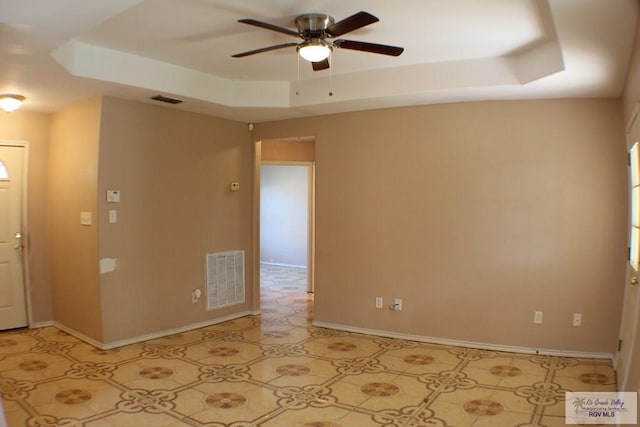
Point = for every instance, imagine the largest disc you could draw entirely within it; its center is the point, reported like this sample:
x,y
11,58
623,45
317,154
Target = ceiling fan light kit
x,y
316,30
315,50
10,103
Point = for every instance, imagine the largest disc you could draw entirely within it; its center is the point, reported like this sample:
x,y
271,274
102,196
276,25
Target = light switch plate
x,y
86,218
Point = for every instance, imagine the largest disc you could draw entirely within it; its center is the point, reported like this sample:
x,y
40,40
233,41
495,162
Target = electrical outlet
x,y
379,302
398,304
577,319
195,295
537,317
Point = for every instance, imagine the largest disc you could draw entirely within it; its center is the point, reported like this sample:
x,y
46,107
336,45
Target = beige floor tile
x,y
16,343
482,376
271,369
35,367
520,380
305,417
512,402
557,409
15,414
348,394
553,421
355,418
89,353
452,413
369,377
138,420
73,398
181,338
149,374
503,419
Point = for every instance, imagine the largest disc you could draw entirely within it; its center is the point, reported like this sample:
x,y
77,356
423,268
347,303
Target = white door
x,y
630,309
13,313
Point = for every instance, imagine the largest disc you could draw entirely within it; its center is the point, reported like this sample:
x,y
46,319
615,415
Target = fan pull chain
x,y
298,82
331,75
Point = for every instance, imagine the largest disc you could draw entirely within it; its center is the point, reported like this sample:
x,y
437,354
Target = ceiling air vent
x,y
166,99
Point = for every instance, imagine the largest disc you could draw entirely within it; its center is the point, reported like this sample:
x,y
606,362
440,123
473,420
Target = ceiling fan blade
x,y
353,22
264,49
269,27
382,49
320,65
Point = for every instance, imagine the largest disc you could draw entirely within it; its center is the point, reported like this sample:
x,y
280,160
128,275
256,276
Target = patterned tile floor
x,y
276,370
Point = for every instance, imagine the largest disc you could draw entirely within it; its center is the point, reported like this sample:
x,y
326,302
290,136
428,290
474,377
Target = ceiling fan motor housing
x,y
313,25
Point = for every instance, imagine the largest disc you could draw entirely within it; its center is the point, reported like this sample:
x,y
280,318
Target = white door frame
x,y
24,229
631,136
256,226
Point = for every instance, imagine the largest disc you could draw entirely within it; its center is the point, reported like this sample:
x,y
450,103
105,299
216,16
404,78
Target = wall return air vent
x,y
225,279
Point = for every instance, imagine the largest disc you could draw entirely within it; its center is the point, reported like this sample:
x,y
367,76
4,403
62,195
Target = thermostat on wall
x,y
113,196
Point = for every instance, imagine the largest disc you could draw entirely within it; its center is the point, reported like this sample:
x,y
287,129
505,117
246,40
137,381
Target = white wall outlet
x,y
537,317
195,295
577,319
379,302
398,304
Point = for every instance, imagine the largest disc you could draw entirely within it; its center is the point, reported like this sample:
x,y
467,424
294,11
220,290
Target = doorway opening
x,y
285,171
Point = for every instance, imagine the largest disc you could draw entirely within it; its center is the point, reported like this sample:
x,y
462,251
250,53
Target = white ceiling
x,y
57,52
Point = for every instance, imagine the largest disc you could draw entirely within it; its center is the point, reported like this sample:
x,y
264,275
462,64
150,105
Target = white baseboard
x,y
388,334
154,335
79,335
279,264
483,346
38,325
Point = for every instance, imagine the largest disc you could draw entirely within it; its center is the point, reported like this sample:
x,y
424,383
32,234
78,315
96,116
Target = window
x,y
634,245
4,173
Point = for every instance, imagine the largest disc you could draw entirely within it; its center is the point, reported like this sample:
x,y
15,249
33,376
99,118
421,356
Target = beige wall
x,y
34,128
475,215
73,184
277,150
173,170
501,208
631,95
631,99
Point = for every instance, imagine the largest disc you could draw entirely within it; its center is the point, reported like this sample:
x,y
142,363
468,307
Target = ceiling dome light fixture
x,y
315,50
11,103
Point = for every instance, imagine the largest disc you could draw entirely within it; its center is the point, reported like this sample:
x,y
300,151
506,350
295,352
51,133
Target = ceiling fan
x,y
316,30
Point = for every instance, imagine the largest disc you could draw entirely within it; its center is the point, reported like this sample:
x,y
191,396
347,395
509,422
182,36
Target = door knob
x,y
18,248
634,280
18,235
